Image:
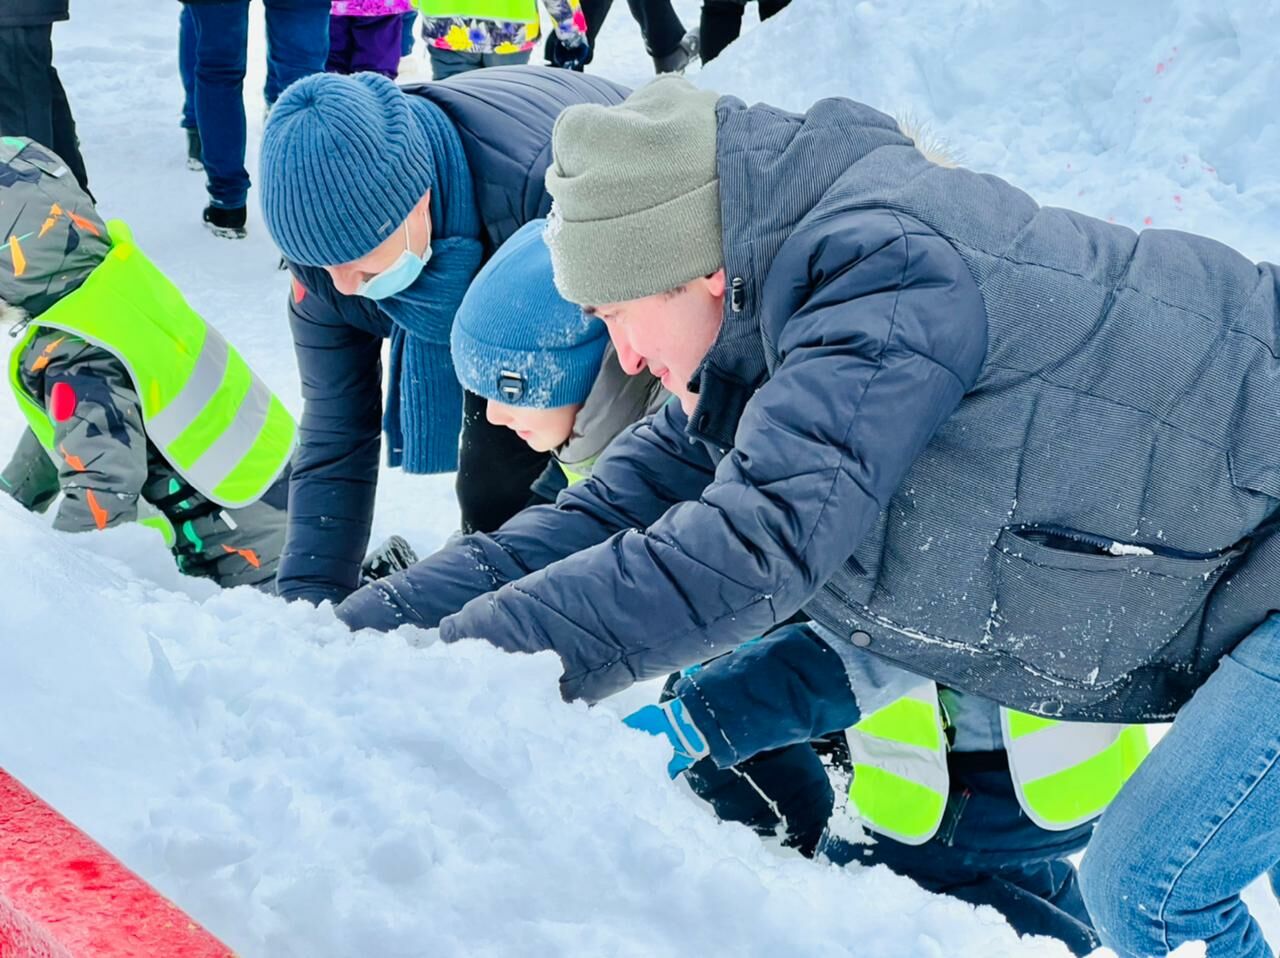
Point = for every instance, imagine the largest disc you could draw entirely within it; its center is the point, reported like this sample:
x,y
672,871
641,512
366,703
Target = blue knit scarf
x,y
423,414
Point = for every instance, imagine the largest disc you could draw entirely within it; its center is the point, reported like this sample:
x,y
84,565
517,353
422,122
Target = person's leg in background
x,y
297,43
66,143
769,7
519,58
663,33
376,43
449,63
406,36
341,45
187,71
222,36
721,24
32,102
1197,822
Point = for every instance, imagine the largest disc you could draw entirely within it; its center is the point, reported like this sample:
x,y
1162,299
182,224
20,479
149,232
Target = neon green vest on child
x,y
1064,773
214,421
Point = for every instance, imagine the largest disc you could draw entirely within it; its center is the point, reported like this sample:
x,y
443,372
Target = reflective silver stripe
x,y
927,767
1058,747
229,449
211,365
922,766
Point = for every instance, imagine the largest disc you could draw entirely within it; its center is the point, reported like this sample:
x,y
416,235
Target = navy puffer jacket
x,y
1018,450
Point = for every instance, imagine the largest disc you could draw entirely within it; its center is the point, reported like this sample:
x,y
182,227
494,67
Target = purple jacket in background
x,y
369,8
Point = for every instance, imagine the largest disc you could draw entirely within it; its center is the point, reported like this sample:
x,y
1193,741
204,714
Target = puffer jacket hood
x,y
51,237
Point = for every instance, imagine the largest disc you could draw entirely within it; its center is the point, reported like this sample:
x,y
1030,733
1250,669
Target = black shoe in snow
x,y
195,151
226,222
678,59
393,555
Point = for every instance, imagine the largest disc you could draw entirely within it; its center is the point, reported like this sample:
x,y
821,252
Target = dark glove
x,y
568,58
392,556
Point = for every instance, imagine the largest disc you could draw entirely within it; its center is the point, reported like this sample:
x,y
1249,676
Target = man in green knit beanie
x,y
958,432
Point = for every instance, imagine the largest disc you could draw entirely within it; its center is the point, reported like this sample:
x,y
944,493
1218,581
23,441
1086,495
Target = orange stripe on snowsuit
x,y
248,555
84,224
19,258
54,212
75,462
46,354
99,513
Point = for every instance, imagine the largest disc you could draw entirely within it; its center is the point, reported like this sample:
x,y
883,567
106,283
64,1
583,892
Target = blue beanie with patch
x,y
514,339
343,161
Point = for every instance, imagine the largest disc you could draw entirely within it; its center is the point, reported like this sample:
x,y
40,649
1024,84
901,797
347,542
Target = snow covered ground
x,y
305,792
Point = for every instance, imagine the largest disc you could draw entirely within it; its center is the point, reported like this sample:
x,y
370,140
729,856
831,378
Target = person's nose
x,y
629,359
496,415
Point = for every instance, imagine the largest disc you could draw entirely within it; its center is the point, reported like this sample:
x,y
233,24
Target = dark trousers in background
x,y
722,23
495,470
32,100
449,63
659,24
213,50
358,44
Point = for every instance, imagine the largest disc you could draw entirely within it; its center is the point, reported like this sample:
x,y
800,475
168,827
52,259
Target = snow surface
x,y
307,792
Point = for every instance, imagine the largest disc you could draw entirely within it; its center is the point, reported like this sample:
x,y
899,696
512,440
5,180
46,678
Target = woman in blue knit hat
x,y
385,204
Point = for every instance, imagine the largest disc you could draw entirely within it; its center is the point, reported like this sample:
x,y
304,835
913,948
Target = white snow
x,y
307,792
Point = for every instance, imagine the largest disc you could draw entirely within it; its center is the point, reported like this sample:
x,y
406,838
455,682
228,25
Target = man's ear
x,y
715,283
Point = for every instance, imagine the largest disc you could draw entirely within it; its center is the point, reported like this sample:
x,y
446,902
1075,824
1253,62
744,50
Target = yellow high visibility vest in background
x,y
1064,773
213,420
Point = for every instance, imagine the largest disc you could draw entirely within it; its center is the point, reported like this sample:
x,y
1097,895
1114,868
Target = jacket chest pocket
x,y
1085,610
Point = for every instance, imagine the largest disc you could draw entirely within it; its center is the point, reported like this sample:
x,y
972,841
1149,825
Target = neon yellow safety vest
x,y
203,408
511,11
1064,773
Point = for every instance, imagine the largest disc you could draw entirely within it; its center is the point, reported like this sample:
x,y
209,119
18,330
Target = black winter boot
x,y
226,222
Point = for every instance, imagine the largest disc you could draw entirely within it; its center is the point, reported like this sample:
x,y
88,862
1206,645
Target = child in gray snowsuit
x,y
137,410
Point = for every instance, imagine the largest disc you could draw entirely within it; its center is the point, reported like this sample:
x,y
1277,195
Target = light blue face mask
x,y
400,275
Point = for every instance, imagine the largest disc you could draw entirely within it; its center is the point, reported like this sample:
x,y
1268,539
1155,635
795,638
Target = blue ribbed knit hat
x,y
343,161
515,340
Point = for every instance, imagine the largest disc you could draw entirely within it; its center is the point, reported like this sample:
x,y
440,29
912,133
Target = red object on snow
x,y
62,402
62,895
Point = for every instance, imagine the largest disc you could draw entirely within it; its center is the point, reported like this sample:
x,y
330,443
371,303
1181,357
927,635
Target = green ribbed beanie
x,y
637,197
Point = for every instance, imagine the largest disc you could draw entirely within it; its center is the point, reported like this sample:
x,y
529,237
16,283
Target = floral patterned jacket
x,y
475,35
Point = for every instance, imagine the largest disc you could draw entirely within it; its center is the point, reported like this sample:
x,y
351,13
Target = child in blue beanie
x,y
546,368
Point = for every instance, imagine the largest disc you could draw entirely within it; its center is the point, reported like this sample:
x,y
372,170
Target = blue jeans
x,y
211,58
1199,820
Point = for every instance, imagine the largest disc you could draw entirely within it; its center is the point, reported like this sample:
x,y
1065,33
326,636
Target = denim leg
x,y
222,36
297,44
1197,821
187,66
406,33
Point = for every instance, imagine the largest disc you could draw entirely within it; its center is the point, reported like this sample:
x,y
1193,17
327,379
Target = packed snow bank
x,y
307,792
1145,112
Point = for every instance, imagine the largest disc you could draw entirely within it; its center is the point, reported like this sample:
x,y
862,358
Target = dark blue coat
x,y
32,13
504,118
1015,449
